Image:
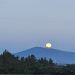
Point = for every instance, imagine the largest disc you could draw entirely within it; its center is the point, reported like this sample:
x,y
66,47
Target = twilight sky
x,y
29,23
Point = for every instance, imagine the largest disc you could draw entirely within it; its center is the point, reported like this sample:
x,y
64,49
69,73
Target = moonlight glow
x,y
48,45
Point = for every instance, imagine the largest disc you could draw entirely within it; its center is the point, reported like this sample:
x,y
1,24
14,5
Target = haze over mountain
x,y
58,56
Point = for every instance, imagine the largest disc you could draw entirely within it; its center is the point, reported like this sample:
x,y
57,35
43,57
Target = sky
x,y
32,23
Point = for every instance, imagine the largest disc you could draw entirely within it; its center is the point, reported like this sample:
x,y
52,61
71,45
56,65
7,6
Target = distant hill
x,y
58,56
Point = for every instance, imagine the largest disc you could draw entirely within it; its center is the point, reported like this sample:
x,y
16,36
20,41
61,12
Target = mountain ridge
x,y
58,56
46,48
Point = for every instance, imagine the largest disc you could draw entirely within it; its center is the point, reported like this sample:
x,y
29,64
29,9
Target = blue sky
x,y
29,23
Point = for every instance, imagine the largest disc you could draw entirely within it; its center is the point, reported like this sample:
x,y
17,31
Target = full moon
x,y
48,45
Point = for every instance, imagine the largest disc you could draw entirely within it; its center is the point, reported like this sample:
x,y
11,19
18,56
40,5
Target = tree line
x,y
10,64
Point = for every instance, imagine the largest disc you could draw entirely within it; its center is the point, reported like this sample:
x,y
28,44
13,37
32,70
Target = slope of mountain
x,y
58,56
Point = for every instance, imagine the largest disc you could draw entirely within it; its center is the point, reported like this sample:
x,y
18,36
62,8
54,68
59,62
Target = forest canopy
x,y
10,64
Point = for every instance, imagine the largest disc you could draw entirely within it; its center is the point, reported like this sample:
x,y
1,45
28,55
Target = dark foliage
x,y
9,64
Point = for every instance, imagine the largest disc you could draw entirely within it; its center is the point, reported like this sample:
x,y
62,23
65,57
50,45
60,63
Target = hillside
x,y
58,56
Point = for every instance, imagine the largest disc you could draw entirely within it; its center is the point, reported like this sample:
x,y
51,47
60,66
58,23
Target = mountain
x,y
58,56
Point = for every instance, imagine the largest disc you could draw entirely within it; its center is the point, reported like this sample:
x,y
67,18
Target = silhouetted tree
x,y
9,64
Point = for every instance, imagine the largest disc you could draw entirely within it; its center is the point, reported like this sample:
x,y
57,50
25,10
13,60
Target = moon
x,y
48,45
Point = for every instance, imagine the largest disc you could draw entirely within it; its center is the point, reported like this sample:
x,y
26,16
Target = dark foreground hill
x,y
9,64
58,56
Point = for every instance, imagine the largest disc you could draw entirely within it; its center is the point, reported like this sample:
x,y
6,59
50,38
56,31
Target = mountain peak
x,y
58,56
42,48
